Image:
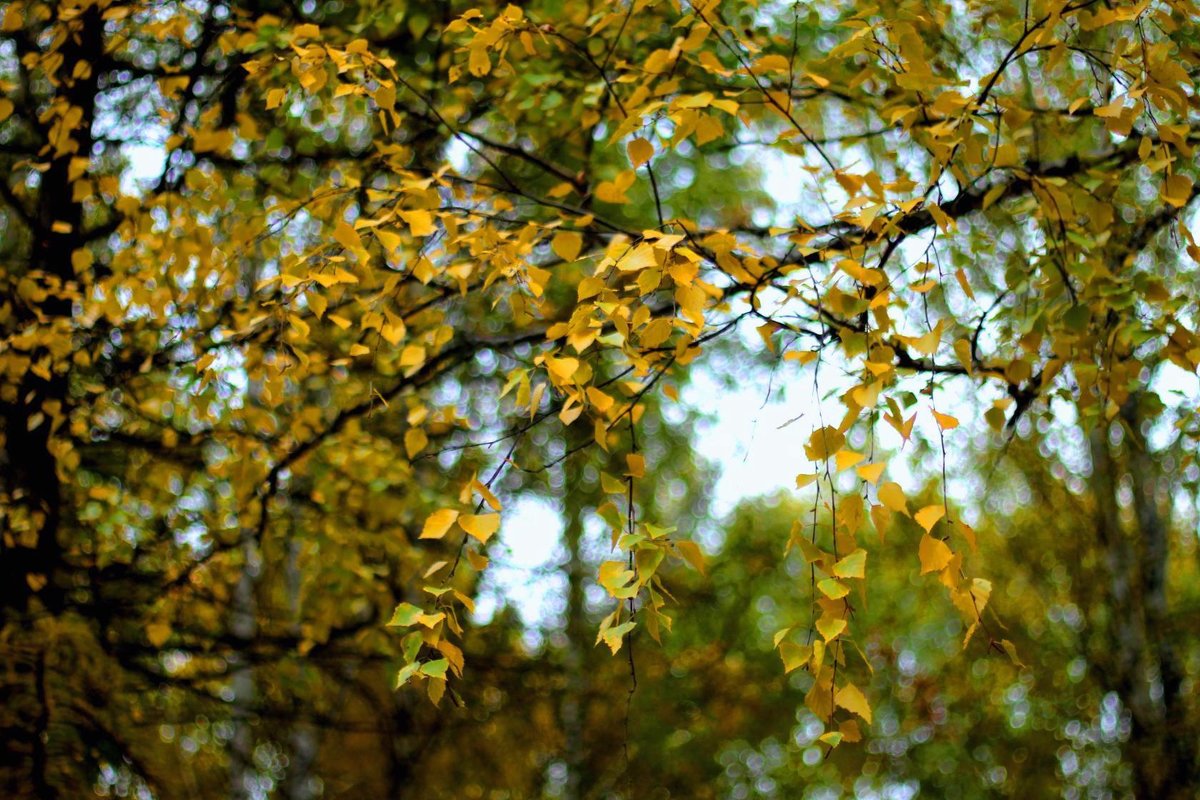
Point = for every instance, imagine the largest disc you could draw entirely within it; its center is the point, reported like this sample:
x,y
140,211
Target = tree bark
x,y
572,708
1144,668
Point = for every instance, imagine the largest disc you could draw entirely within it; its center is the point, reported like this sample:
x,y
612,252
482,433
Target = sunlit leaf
x,y
438,523
480,526
934,554
852,699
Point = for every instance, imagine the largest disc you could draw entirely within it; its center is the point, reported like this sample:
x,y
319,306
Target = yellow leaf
x,y
934,554
974,626
972,601
961,276
968,533
562,368
834,590
590,287
640,151
708,128
430,620
82,258
1011,650
847,458
823,443
702,100
871,472
566,245
481,526
438,523
359,350
487,495
803,356
657,331
831,627
614,576
412,356
852,566
392,333
212,141
928,516
6,110
478,61
794,656
1177,190
944,221
728,106
415,441
453,654
812,554
881,518
945,421
346,236
570,413
609,192
850,698
782,633
772,63
636,258
389,239
436,688
535,400
892,496
868,394
928,344
637,465
613,637
158,633
599,400
478,561
420,222
691,553
385,97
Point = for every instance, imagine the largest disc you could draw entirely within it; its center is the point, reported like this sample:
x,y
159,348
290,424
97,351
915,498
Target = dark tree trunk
x,y
1143,666
35,517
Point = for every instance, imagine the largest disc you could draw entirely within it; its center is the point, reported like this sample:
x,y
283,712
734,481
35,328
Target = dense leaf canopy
x,y
298,298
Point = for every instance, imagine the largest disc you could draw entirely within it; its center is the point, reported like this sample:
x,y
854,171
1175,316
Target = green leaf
x,y
834,590
794,656
435,669
405,615
852,566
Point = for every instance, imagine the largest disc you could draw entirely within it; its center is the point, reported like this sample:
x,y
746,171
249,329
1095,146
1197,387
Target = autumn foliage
x,y
298,299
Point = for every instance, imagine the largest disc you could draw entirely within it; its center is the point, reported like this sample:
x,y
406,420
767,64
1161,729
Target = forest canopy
x,y
305,304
